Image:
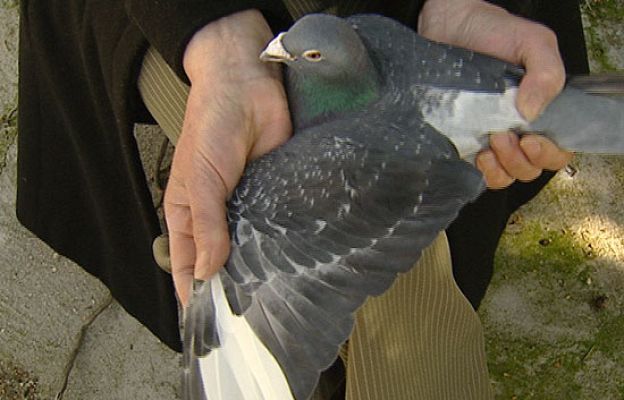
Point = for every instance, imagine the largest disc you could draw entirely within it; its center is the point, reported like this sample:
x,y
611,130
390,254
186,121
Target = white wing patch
x,y
242,367
467,117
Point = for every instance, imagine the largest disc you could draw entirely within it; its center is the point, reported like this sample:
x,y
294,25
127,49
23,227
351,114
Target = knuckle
x,y
537,33
517,166
520,168
547,35
514,162
499,183
502,145
543,43
552,77
528,176
497,178
559,161
486,162
551,157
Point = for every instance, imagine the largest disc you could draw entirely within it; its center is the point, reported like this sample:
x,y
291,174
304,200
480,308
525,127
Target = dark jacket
x,y
81,187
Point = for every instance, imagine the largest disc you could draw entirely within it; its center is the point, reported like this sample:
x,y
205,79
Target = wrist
x,y
228,48
450,21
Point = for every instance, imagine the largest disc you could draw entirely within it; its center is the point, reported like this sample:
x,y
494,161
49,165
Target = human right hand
x,y
236,111
489,29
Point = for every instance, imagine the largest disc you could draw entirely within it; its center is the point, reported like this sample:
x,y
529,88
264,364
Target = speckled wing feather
x,y
333,216
327,220
416,60
464,95
460,93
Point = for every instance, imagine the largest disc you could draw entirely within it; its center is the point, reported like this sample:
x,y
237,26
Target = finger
x,y
494,174
510,156
182,264
181,243
545,73
210,230
543,153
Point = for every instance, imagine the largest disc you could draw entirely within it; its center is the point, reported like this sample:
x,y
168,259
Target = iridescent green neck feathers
x,y
313,97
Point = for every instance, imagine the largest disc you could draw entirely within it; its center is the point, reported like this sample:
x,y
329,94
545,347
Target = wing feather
x,y
425,62
334,224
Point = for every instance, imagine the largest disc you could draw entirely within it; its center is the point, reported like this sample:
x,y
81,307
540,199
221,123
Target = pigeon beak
x,y
275,51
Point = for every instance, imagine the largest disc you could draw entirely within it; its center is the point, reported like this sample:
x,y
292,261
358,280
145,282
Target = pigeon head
x,y
329,70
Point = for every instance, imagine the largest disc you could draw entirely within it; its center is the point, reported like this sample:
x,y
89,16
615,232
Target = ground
x,y
553,314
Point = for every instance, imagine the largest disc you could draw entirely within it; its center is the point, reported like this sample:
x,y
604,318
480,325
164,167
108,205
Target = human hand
x,y
489,29
236,111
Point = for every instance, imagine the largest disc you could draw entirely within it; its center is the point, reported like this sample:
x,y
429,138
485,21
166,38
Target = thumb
x,y
196,220
545,75
210,230
181,243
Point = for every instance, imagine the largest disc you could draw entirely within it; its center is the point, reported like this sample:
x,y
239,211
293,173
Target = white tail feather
x,y
241,368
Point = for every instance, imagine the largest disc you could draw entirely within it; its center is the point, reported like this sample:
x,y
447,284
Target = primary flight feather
x,y
385,124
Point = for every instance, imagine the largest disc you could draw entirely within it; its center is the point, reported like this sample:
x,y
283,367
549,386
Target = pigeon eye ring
x,y
313,55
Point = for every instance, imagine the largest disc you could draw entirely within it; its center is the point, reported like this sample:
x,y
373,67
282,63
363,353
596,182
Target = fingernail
x,y
531,146
532,106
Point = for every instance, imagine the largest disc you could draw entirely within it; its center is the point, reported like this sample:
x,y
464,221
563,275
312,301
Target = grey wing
x,y
462,94
580,122
324,222
402,52
459,90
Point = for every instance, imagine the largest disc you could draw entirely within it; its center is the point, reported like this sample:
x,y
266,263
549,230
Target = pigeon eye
x,y
313,55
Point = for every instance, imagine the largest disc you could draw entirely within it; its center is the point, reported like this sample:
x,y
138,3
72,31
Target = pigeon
x,y
386,127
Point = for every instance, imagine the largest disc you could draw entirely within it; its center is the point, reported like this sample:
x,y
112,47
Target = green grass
x,y
526,370
602,13
554,313
9,3
552,330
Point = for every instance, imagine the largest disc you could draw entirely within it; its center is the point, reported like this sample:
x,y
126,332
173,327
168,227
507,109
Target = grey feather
x,y
583,123
601,84
303,311
576,120
198,341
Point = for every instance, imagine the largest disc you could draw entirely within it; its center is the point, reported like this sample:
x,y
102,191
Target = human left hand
x,y
491,30
235,112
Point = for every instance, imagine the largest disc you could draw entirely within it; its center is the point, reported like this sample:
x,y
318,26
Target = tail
x,y
604,84
587,116
240,368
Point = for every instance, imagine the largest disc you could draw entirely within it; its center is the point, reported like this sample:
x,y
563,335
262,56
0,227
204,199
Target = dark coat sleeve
x,y
81,186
